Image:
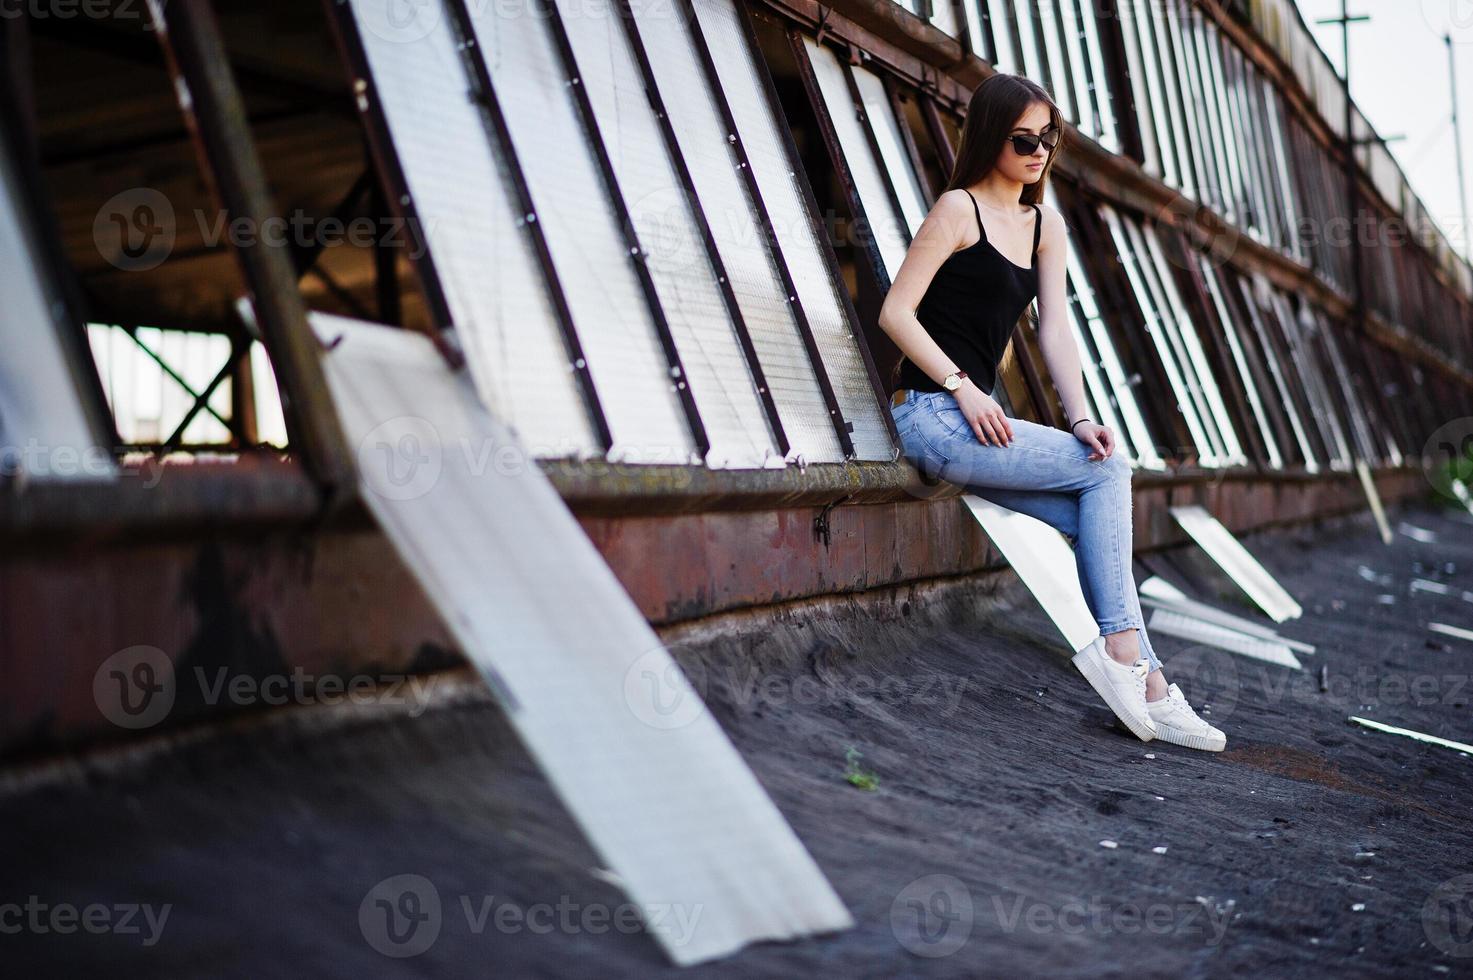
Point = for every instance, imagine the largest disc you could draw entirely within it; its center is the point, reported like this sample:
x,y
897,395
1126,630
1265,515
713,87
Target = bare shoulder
x,y
950,218
1055,229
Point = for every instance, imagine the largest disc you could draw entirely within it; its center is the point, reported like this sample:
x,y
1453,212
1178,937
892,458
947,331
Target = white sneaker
x,y
1178,724
1123,688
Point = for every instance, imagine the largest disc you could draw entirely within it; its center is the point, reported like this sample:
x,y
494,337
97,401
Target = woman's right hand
x,y
984,413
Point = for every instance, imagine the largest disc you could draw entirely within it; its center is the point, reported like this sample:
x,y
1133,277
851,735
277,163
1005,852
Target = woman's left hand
x,y
1097,437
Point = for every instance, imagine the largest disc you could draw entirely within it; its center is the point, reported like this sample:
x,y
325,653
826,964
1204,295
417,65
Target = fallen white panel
x,y
1368,484
1430,739
1045,562
1171,623
1419,534
1158,588
1234,559
46,432
1152,594
1464,495
618,728
1446,630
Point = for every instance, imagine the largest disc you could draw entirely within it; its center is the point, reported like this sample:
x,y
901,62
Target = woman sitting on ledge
x,y
951,311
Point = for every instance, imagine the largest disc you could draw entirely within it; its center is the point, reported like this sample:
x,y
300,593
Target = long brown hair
x,y
995,108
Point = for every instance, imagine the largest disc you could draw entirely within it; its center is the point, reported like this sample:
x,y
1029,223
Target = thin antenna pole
x,y
1452,74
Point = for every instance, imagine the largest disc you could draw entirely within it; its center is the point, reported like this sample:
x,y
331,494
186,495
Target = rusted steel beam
x,y
212,106
354,608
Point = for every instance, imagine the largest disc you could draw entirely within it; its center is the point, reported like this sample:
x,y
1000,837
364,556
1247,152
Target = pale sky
x,y
1399,78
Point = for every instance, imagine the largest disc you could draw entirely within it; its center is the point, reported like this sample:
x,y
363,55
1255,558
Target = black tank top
x,y
971,307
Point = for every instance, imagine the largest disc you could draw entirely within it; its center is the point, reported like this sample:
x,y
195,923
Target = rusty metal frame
x,y
213,108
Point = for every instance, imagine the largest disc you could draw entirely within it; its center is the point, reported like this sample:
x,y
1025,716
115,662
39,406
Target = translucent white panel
x,y
1280,167
1157,330
1047,15
1000,18
1138,22
706,147
1182,137
1214,452
1183,122
1134,422
1135,67
717,370
43,419
1220,127
896,161
1033,56
1168,622
943,17
1240,565
658,790
493,283
1312,380
1109,127
1072,30
1354,404
1195,100
270,423
868,173
1281,383
610,311
1045,562
821,294
1197,357
1250,136
1240,361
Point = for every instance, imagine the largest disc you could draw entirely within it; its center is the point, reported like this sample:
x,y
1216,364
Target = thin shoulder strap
x,y
1037,229
980,230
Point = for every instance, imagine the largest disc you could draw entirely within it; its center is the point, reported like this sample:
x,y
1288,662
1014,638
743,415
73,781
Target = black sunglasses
x,y
1025,144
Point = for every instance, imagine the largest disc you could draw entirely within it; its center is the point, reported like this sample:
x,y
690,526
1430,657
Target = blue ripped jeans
x,y
1045,473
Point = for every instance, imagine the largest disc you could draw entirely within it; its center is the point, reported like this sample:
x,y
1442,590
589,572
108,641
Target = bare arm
x,y
942,232
1060,352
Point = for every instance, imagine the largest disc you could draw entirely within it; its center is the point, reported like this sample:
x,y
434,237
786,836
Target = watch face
x,y
952,382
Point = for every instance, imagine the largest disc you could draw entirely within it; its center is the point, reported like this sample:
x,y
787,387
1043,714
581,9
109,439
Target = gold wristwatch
x,y
953,381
